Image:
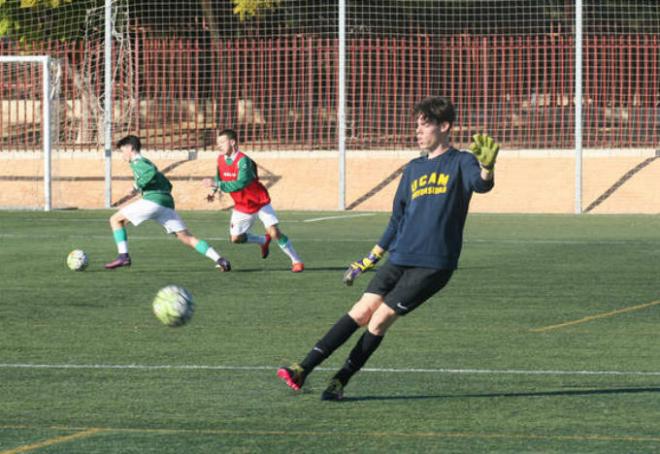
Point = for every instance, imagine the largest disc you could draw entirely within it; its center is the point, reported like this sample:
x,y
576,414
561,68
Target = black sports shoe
x,y
223,265
334,391
293,376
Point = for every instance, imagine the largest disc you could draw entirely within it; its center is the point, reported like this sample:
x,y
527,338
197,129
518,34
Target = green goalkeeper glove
x,y
358,267
485,150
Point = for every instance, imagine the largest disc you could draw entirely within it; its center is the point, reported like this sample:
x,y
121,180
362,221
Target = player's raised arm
x,y
485,149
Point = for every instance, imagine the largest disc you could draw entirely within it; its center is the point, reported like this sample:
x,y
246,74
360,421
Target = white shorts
x,y
242,222
144,210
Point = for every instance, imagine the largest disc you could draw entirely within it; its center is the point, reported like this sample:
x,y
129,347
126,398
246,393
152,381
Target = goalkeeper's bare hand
x,y
485,150
358,267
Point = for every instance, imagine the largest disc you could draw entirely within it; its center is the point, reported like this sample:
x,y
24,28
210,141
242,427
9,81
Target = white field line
x,y
223,221
147,367
343,216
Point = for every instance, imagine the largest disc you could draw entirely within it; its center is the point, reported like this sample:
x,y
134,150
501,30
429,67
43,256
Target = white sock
x,y
122,247
288,249
212,254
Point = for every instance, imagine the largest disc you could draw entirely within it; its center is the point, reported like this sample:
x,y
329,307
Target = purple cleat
x,y
121,260
223,265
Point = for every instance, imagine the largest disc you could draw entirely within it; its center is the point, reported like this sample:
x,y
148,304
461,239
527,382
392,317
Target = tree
x,y
33,20
252,8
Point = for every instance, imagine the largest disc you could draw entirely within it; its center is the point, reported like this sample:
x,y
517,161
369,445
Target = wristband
x,y
377,255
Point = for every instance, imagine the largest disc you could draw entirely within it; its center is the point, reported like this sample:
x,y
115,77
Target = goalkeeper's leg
x,y
340,332
380,321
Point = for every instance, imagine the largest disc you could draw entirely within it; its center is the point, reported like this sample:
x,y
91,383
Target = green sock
x,y
205,249
121,240
120,234
202,246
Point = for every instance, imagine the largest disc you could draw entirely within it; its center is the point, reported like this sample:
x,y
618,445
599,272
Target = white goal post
x,y
46,121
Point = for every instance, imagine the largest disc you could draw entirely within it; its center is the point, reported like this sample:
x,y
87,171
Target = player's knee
x,y
116,220
274,232
381,321
238,239
360,313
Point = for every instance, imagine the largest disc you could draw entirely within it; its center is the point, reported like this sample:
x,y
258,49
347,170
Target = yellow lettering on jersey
x,y
440,181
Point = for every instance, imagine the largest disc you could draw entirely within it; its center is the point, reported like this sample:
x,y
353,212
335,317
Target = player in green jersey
x,y
157,203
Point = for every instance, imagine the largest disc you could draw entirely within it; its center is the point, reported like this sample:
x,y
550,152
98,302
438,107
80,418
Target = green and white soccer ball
x,y
173,305
77,260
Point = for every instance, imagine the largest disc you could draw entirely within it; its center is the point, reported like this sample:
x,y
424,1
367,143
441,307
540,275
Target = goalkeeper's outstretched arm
x,y
358,267
485,150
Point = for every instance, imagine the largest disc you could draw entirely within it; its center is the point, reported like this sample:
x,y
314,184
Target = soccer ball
x,y
77,260
173,305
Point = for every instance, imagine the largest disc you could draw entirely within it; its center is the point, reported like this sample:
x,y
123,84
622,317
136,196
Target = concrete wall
x,y
309,181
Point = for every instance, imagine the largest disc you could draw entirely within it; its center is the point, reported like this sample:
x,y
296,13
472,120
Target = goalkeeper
x,y
484,149
424,239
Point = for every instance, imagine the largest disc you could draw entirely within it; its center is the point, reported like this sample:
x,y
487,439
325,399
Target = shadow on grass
x,y
234,269
573,392
288,269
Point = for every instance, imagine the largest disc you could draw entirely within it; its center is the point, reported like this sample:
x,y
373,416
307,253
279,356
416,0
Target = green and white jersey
x,y
153,185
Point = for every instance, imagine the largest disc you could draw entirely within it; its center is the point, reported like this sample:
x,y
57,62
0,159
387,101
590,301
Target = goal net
x,y
29,130
72,36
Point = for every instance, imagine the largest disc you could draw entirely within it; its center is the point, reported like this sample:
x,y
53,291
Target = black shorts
x,y
404,288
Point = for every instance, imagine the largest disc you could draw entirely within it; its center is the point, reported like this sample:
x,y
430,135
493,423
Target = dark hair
x,y
230,133
436,109
133,141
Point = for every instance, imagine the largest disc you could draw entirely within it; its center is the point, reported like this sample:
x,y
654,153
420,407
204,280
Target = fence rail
x,y
281,93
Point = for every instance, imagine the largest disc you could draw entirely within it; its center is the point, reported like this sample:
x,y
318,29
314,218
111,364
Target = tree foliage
x,y
32,20
251,8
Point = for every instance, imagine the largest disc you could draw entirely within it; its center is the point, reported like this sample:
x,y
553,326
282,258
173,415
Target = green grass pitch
x,y
545,340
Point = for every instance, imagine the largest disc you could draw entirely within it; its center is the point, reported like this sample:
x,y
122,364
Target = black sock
x,y
337,335
367,344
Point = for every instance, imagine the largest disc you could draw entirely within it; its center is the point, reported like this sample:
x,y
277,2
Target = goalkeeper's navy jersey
x,y
429,210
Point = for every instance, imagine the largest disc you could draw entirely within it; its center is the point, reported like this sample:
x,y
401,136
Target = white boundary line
x,y
343,216
620,373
